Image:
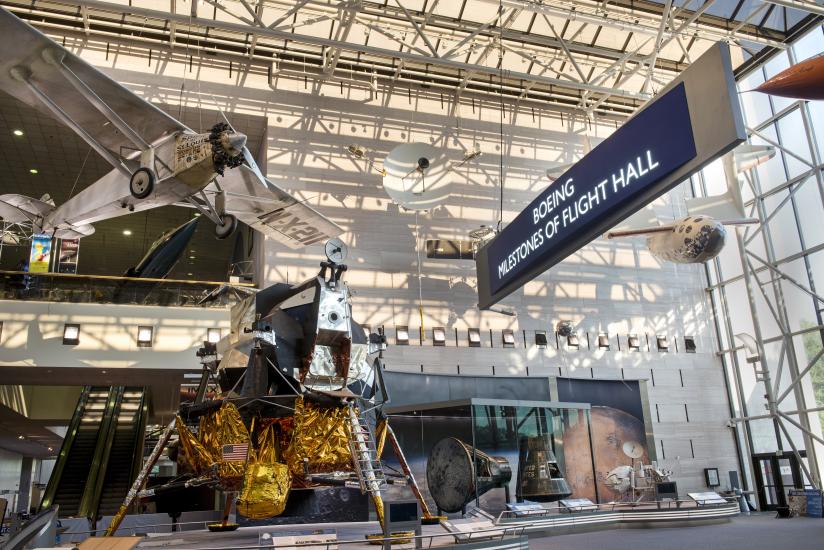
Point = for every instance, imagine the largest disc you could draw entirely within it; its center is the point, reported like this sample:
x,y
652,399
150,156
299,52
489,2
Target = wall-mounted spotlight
x,y
213,335
144,336
540,338
634,342
356,151
438,336
71,334
689,344
603,341
663,343
474,337
573,341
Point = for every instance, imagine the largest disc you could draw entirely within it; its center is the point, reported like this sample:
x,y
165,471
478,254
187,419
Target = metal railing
x,y
499,531
652,505
493,533
64,287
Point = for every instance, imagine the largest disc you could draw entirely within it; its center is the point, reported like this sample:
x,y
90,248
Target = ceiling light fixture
x,y
191,257
18,133
127,232
32,170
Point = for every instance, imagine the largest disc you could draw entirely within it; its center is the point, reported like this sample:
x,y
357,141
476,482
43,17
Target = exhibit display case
x,y
510,449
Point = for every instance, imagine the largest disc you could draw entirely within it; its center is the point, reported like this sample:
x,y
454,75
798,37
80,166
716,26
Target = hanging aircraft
x,y
157,160
700,236
164,253
803,80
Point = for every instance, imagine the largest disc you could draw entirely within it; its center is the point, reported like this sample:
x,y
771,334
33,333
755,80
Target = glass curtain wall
x,y
768,282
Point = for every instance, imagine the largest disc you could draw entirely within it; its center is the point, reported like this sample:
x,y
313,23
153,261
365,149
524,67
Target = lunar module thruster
x,y
290,399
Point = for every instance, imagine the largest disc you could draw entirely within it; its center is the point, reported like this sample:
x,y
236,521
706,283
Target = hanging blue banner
x,y
570,212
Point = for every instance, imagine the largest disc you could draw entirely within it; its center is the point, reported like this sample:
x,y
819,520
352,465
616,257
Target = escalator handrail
x,y
65,449
90,501
140,435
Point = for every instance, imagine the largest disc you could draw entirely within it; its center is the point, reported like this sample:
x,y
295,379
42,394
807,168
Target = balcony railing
x,y
105,289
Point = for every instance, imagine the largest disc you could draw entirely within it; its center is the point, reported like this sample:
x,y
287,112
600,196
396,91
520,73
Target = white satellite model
x,y
417,176
157,160
700,236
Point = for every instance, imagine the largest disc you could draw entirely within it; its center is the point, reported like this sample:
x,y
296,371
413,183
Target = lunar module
x,y
290,399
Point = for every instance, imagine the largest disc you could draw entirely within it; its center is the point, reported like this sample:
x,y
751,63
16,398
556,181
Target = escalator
x,y
101,452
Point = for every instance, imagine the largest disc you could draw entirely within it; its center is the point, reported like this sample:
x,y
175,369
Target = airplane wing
x,y
640,231
25,48
264,206
19,208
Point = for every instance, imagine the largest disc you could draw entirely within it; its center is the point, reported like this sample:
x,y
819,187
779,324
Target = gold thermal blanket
x,y
196,455
225,427
267,482
319,435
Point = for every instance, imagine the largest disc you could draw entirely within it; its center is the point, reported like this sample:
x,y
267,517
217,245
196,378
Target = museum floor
x,y
754,532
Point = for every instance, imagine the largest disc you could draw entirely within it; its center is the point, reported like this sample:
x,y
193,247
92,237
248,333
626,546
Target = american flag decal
x,y
236,452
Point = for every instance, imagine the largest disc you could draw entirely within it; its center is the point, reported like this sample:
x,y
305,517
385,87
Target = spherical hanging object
x,y
417,176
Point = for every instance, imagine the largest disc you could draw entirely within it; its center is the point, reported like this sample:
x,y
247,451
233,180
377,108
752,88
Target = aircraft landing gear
x,y
226,227
142,183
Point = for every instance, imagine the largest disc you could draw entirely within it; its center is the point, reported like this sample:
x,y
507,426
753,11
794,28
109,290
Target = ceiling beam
x,y
803,5
164,18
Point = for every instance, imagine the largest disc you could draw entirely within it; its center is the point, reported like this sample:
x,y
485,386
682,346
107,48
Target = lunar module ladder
x,y
365,458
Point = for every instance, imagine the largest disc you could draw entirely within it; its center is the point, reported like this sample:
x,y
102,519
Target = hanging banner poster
x,y
67,257
40,256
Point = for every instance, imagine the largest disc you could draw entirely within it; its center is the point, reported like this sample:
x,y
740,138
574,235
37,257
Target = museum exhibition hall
x,y
492,274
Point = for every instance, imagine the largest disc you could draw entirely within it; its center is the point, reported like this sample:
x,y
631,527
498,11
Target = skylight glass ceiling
x,y
604,57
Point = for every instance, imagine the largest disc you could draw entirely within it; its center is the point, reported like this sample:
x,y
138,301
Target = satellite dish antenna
x,y
417,176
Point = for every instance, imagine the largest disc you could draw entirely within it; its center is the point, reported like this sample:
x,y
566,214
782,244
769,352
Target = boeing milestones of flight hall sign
x,y
693,121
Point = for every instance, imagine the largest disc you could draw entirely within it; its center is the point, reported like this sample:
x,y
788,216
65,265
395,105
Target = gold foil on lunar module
x,y
225,427
196,455
319,435
221,427
267,482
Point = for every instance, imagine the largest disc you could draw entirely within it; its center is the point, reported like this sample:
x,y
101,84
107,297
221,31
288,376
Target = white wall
x,y
33,335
